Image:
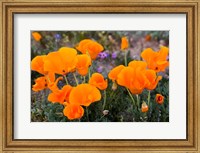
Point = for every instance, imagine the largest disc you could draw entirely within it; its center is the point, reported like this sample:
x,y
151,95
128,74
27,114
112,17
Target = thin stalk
x,y
104,103
138,101
125,58
66,79
101,117
84,79
75,78
89,73
149,97
131,96
91,64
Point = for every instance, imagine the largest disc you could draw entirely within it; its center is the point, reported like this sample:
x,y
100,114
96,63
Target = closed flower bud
x,y
159,98
114,86
105,112
145,107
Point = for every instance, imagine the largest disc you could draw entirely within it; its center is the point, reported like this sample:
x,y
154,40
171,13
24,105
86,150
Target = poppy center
x,y
159,98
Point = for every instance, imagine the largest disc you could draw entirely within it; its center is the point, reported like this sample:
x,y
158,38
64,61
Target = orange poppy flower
x,y
159,98
60,95
114,72
153,79
84,61
98,81
37,64
40,84
138,65
144,108
156,60
36,36
53,85
133,79
124,43
43,82
148,37
73,111
84,94
61,62
91,47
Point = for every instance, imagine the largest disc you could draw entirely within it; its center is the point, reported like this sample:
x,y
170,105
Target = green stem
x,y
104,103
149,97
138,101
66,79
125,58
84,79
101,117
131,96
75,79
89,73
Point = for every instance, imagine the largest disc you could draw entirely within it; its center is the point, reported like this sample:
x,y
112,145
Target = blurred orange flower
x,y
133,79
73,111
156,60
62,61
159,98
148,37
40,84
36,36
84,61
84,94
60,96
98,81
124,43
37,64
114,72
153,79
43,82
53,85
144,108
91,47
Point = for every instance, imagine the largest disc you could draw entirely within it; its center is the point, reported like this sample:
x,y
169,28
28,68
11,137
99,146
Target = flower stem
x,y
138,101
84,79
75,79
125,58
89,75
131,96
101,117
66,79
104,103
149,96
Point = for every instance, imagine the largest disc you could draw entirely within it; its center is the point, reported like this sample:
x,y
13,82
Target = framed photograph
x,y
96,76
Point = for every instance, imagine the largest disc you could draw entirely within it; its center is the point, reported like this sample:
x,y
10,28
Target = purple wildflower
x,y
57,36
114,55
103,55
100,69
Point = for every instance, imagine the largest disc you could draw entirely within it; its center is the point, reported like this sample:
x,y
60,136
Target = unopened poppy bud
x,y
159,98
105,112
145,107
114,86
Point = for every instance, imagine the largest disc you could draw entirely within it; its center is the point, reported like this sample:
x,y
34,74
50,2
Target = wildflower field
x,y
99,76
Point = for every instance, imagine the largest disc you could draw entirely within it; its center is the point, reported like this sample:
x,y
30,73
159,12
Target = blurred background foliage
x,y
118,102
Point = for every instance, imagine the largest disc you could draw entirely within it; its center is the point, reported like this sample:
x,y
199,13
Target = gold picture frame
x,y
10,7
